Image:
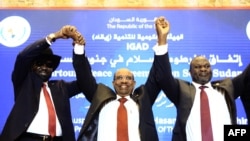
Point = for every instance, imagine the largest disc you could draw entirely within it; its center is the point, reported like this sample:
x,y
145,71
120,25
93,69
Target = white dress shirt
x,y
107,126
218,110
40,123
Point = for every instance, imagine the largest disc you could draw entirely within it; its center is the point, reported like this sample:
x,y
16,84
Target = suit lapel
x,y
102,95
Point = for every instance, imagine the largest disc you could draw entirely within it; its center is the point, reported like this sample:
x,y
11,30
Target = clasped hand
x,y
69,31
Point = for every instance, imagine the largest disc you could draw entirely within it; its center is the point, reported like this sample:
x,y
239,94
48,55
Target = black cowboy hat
x,y
47,54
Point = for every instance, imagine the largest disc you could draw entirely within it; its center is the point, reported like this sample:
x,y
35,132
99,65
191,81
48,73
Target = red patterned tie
x,y
51,111
122,121
206,127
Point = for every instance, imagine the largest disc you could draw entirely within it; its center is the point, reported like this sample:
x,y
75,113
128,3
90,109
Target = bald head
x,y
123,71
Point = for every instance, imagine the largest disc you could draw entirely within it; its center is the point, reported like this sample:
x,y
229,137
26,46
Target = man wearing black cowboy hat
x,y
29,117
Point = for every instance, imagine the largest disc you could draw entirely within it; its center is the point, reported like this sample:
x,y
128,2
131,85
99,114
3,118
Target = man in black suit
x,y
100,122
28,119
221,96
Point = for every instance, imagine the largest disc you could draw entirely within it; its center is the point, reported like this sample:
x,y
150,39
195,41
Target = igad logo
x,y
14,31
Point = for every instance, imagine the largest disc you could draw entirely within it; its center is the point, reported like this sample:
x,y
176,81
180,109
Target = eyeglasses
x,y
119,78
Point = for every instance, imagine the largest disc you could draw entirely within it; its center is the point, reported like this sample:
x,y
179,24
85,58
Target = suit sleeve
x,y
242,88
85,79
165,79
160,77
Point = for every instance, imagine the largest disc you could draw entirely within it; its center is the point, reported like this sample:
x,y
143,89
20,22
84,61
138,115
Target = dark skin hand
x,y
162,29
68,31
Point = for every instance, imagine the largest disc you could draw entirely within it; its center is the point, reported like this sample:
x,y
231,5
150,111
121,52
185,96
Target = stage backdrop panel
x,y
124,38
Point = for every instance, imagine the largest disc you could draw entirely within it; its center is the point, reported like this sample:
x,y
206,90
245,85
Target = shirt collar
x,y
127,97
198,85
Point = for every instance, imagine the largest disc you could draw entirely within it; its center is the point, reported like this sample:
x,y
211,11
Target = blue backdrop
x,y
124,38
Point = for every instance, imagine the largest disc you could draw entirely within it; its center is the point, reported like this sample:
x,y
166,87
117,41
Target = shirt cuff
x,y
160,50
78,49
48,41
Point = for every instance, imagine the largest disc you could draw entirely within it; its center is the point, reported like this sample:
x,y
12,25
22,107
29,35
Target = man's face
x,y
124,82
200,70
43,68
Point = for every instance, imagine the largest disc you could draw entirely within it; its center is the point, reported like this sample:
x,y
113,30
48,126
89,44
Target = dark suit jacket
x,y
27,87
182,94
99,94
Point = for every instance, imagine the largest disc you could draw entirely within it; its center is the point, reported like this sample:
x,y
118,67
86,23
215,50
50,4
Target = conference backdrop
x,y
118,38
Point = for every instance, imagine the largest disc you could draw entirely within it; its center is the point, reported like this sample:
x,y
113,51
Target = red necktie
x,y
122,121
206,127
51,111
